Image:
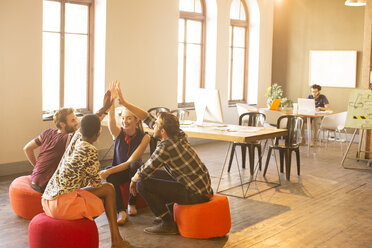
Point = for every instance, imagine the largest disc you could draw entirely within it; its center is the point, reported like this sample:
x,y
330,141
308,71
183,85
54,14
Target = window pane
x,y
187,5
239,37
181,30
180,73
192,70
193,32
198,7
234,10
50,73
76,71
238,74
51,16
242,12
76,18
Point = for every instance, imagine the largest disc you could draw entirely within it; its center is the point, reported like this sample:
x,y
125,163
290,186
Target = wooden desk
x,y
232,133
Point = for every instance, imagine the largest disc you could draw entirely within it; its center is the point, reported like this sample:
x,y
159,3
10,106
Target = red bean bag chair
x,y
206,220
25,201
46,232
140,202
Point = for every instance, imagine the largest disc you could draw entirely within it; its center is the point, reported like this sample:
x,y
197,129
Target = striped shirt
x,y
180,160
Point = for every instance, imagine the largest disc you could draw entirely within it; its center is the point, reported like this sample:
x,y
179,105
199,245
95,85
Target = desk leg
x,y
308,121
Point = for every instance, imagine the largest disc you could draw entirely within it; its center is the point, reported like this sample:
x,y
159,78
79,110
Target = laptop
x,y
275,104
306,106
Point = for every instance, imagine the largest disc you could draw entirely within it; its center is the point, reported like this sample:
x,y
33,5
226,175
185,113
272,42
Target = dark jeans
x,y
160,192
122,177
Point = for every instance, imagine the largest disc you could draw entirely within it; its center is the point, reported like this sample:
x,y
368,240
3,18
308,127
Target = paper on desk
x,y
240,129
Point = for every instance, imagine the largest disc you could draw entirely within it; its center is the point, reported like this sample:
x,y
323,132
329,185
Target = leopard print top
x,y
78,167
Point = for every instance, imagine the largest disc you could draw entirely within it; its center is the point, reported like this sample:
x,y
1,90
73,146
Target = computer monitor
x,y
208,106
306,106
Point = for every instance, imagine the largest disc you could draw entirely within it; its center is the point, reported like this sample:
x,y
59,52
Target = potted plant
x,y
276,92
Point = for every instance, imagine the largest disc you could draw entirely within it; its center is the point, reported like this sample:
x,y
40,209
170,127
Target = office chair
x,y
180,113
272,116
252,119
333,123
291,143
156,110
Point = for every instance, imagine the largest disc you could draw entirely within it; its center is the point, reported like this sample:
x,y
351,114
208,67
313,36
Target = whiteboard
x,y
333,68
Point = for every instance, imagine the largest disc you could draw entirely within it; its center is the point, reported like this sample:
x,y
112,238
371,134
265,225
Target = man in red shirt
x,y
52,143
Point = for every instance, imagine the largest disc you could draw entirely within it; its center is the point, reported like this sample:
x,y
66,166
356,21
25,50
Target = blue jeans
x,y
122,177
161,190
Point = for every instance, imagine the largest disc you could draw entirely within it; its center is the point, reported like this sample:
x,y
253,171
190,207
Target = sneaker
x,y
163,228
157,220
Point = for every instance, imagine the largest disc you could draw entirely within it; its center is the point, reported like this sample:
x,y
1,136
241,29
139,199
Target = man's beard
x,y
157,135
69,129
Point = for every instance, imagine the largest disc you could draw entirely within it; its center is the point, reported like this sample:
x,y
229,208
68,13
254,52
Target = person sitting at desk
x,y
321,101
185,180
130,142
321,104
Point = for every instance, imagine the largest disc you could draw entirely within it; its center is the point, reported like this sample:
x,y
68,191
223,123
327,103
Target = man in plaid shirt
x,y
184,180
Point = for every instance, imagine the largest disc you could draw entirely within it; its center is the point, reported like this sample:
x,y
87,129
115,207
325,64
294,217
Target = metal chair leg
x,y
267,160
231,157
288,163
251,158
298,161
281,159
244,154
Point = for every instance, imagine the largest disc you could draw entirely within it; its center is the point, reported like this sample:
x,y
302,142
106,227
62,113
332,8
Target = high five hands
x,y
116,91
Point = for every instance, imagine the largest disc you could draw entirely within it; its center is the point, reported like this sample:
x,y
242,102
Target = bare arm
x,y
135,156
29,151
140,113
112,126
107,102
325,108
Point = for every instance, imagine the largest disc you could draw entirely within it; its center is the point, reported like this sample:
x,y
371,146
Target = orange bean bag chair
x,y
25,201
46,232
140,202
206,220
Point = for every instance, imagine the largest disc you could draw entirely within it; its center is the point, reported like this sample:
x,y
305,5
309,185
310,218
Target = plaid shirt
x,y
180,161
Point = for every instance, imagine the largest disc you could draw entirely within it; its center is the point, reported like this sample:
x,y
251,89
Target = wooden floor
x,y
327,206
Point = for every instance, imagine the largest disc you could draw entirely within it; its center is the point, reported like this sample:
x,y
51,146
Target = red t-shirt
x,y
53,145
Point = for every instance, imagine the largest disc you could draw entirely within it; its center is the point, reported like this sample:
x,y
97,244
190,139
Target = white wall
x,y
20,76
141,52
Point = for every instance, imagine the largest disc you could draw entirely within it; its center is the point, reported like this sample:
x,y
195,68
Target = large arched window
x,y
191,49
238,52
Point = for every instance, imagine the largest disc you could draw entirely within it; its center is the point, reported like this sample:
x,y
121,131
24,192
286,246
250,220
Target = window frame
x,y
241,24
193,16
90,53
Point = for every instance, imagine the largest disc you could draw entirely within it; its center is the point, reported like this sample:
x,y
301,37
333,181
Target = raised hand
x,y
120,94
113,90
107,100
